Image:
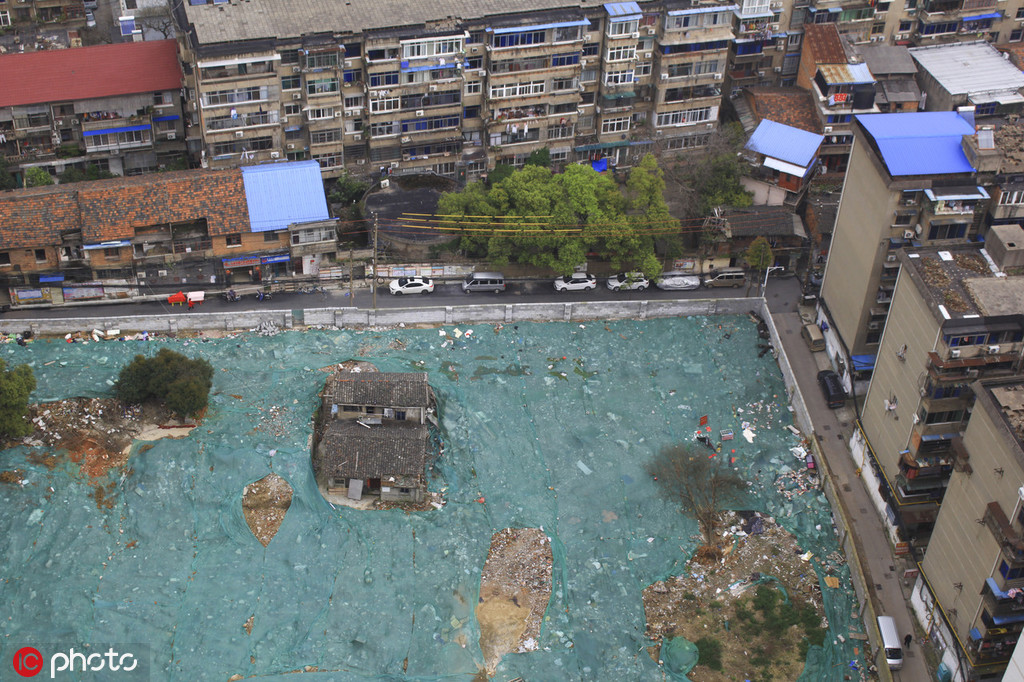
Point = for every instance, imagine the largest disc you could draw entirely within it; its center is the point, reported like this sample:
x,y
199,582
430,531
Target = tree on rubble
x,y
179,382
16,385
704,486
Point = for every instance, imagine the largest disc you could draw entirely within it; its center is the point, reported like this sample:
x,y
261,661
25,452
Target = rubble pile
x,y
266,328
264,504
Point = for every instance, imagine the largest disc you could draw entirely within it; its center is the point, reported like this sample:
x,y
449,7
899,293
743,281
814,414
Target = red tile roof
x,y
823,42
88,72
791,106
106,210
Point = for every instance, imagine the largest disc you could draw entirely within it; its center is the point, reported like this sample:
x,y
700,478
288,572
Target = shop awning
x,y
240,262
276,258
863,362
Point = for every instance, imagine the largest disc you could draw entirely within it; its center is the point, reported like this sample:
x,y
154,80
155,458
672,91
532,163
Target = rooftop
x,y
919,143
1009,398
351,450
382,389
946,276
768,221
885,60
823,42
790,106
846,74
282,194
789,144
969,68
253,19
88,72
898,90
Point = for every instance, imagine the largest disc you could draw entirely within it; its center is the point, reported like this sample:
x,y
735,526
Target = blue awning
x,y
173,117
623,11
107,245
975,634
240,262
930,437
863,362
50,278
702,10
980,17
429,67
279,258
540,27
107,131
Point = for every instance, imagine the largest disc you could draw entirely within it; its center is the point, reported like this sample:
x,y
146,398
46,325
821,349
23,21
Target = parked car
x,y
411,285
90,20
578,281
630,281
832,388
677,281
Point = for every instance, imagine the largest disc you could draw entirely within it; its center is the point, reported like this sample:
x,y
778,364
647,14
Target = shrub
x,y
15,387
709,652
181,383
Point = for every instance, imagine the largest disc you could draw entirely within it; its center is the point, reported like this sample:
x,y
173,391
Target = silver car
x,y
630,281
675,281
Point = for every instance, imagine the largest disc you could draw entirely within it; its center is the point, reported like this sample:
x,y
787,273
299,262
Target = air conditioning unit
x,y
348,63
432,88
374,94
586,36
583,62
275,155
172,135
874,326
774,27
993,350
419,112
954,354
474,49
908,234
59,121
900,36
239,133
385,183
828,129
597,109
760,74
777,69
360,162
337,114
650,30
75,121
664,76
296,95
296,69
290,145
891,258
972,374
709,126
718,76
358,137
647,99
647,55
406,139
634,35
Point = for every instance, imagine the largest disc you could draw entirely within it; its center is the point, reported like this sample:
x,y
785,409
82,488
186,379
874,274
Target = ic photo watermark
x,y
115,662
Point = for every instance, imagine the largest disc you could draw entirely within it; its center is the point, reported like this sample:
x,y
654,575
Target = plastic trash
x,y
583,467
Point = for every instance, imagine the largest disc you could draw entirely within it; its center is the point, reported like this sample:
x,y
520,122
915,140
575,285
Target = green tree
x,y
759,256
710,178
539,157
347,190
91,172
181,383
7,179
38,177
16,385
500,173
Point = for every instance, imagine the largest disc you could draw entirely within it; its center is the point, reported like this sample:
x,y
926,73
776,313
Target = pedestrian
x,y
907,640
191,304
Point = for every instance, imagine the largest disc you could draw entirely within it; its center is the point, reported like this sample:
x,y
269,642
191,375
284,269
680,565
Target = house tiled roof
x,y
823,42
89,72
106,210
350,450
381,389
768,221
790,106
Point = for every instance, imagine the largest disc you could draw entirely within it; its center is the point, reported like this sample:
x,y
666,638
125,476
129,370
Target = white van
x,y
891,643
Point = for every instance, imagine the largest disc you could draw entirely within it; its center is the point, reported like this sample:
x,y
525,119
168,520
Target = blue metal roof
x,y
785,143
622,9
279,194
920,143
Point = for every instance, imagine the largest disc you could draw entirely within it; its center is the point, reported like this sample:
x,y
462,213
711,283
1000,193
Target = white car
x,y
579,281
674,281
630,281
411,285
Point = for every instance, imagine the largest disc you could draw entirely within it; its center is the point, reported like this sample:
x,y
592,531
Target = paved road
x,y
882,571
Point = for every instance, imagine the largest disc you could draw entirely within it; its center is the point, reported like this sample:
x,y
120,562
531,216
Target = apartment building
x,y
969,588
77,107
910,183
969,74
395,85
24,13
782,159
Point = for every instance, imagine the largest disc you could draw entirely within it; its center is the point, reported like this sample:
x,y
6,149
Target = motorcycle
x,y
231,297
264,296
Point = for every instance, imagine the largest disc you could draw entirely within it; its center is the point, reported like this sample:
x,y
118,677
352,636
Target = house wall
x,y
24,261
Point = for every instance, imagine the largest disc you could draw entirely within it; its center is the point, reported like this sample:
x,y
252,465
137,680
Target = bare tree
x,y
703,485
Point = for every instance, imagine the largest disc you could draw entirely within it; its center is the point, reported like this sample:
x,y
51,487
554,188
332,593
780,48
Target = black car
x,y
832,388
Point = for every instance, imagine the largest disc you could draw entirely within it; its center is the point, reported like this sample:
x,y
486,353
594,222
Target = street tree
x,y
759,256
175,380
16,385
38,177
703,486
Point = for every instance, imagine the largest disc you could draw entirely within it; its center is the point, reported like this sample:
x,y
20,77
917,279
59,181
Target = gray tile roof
x,y
255,19
768,221
350,450
884,60
380,389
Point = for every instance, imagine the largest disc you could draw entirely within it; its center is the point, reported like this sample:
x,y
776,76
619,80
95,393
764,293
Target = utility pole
x,y
373,282
351,264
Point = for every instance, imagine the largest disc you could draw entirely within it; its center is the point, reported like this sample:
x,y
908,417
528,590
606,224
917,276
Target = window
x,y
292,109
945,417
794,39
566,33
986,109
474,87
384,129
324,136
289,56
615,125
291,82
565,59
618,77
387,104
5,18
320,113
623,28
471,112
131,4
678,118
514,39
903,219
270,236
588,75
112,254
517,89
40,255
378,80
559,132
322,60
1008,198
5,258
935,29
233,239
321,86
618,54
906,26
349,76
839,118
591,49
688,142
643,69
560,84
951,231
1010,573
1016,35
354,102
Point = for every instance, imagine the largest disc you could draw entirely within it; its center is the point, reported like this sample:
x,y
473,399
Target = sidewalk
x,y
883,572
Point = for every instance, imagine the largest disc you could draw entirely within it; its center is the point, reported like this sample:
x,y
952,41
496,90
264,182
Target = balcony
x,y
1010,543
92,123
248,120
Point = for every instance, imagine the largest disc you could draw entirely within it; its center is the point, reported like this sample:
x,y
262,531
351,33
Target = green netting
x,y
679,656
551,423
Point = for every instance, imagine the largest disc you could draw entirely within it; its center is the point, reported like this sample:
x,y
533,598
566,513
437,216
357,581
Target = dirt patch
x,y
264,504
736,612
515,589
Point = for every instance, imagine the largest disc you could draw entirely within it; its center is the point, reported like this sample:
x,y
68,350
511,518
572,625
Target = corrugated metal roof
x,y
969,68
845,74
622,9
279,194
920,143
785,143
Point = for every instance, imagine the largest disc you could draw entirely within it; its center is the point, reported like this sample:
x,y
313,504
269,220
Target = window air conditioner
x,y
75,121
239,133
760,74
419,112
954,354
275,155
664,76
296,95
650,30
993,350
474,49
908,234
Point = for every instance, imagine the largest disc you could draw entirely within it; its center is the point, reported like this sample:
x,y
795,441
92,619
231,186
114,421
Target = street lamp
x,y
768,272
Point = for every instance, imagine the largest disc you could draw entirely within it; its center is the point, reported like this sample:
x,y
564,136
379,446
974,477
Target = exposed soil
x,y
715,602
264,504
515,589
